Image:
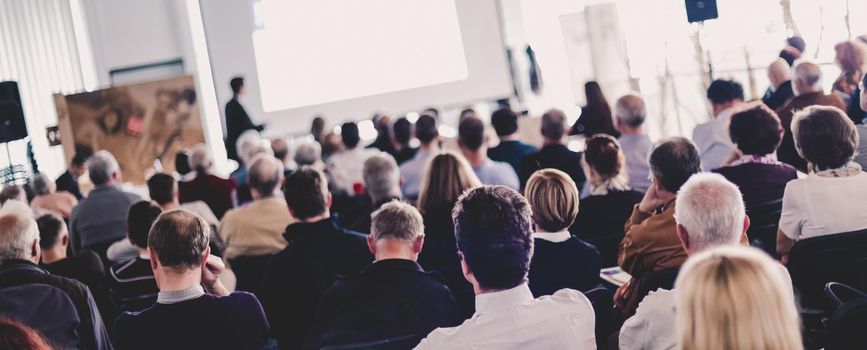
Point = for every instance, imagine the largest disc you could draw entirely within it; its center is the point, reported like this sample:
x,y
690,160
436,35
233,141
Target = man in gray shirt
x,y
630,113
473,144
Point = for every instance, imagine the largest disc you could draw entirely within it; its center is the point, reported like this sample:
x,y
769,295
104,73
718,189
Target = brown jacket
x,y
786,153
650,243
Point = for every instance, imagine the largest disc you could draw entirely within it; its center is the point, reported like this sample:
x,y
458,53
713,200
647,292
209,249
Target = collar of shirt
x,y
617,183
555,237
177,296
504,299
751,158
850,169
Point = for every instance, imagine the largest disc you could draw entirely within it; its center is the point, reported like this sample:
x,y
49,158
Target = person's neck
x,y
433,146
54,254
511,137
808,92
548,142
260,196
317,218
171,205
780,83
169,281
476,157
627,131
389,249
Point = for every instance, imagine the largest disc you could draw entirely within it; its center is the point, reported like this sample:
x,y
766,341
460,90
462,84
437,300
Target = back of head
x,y
306,192
247,142
280,148
722,91
603,154
554,125
308,153
40,184
200,158
79,158
673,161
779,72
851,56
139,221
102,167
349,135
11,192
505,121
825,136
493,228
182,162
264,174
180,240
597,103
631,110
756,131
397,220
808,77
727,292
426,129
18,231
15,335
431,111
162,188
471,133
467,113
797,42
381,177
711,209
554,198
447,176
50,228
236,84
317,127
402,131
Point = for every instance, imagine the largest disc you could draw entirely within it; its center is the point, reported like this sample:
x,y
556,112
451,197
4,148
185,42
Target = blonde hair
x,y
447,176
735,298
554,198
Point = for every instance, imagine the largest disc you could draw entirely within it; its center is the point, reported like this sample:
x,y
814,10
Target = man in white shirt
x,y
344,168
494,238
709,213
712,138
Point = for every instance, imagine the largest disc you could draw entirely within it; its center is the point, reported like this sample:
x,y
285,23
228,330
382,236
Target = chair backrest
x,y
814,262
603,308
45,308
250,272
764,220
393,343
608,246
846,325
650,282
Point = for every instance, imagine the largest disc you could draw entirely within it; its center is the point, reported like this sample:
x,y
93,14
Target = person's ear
x,y
153,259
744,237
465,269
35,251
64,241
418,244
205,257
371,244
328,200
683,236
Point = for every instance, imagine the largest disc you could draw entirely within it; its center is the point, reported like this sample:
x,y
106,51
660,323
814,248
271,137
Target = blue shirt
x,y
511,152
412,173
497,173
637,148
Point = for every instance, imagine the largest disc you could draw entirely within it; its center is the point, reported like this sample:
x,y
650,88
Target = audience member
x,y
12,192
560,260
851,57
215,191
48,200
761,178
344,168
244,194
131,281
381,185
331,145
712,138
403,151
61,309
474,146
780,91
250,144
735,298
412,172
182,165
383,141
309,154
554,153
595,116
185,316
317,128
861,154
807,85
827,139
793,50
15,335
493,227
68,181
630,112
602,214
318,251
510,149
99,220
391,298
280,148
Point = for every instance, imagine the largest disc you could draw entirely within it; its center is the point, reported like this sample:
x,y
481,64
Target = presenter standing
x,y
237,120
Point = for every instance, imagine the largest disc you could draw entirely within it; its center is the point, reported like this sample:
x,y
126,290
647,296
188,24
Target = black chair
x,y
608,246
814,262
607,321
764,221
847,324
394,343
249,272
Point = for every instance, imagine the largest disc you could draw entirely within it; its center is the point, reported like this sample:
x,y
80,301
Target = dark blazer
x,y
237,121
215,191
601,219
570,264
390,298
297,276
556,156
440,255
65,182
100,219
777,98
759,183
87,268
786,153
511,152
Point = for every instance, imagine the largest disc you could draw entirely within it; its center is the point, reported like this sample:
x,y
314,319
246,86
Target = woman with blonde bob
x,y
735,298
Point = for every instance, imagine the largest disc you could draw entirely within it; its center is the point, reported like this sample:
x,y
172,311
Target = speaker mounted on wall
x,y
12,125
701,10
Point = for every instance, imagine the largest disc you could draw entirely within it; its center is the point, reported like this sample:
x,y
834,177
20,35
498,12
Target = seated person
x,y
493,227
48,200
630,114
193,309
132,282
560,260
392,297
403,151
826,138
510,149
554,153
215,191
474,145
318,251
381,185
68,181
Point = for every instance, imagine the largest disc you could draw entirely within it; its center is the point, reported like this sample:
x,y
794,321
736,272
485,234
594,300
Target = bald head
x,y
280,148
808,77
779,73
200,158
19,234
265,174
709,212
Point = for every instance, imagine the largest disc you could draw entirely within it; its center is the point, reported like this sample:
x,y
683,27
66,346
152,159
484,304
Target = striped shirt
x,y
133,285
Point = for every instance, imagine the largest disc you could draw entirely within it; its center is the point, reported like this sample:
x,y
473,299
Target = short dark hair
x,y
673,161
305,191
139,220
161,188
402,131
426,129
236,83
50,226
182,162
756,131
471,133
79,159
825,136
180,239
9,192
554,124
349,134
494,235
797,42
505,121
721,91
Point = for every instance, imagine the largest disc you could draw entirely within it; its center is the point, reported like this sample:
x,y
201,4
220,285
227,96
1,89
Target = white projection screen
x,y
347,59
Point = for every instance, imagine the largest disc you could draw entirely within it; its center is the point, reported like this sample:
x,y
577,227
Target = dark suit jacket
x,y
440,255
388,299
65,182
601,219
237,121
786,153
297,276
215,191
570,264
511,152
777,98
87,268
555,156
759,183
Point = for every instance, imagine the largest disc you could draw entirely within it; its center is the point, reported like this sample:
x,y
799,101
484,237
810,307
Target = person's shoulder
x,y
89,262
565,301
702,128
658,302
445,338
580,244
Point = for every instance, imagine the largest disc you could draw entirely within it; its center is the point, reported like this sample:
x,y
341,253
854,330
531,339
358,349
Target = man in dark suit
x,y
237,120
68,181
509,150
393,298
215,191
318,251
554,153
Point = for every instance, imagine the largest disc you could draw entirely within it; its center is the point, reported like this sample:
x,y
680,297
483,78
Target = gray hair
x,y
200,158
397,220
247,141
631,110
809,74
41,184
18,231
308,153
102,166
711,209
381,177
554,124
264,174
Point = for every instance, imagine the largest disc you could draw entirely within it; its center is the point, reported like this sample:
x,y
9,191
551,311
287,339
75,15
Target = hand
x,y
211,272
620,295
651,200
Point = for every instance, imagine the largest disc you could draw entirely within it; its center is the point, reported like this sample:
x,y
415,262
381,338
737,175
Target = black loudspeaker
x,y
700,10
12,126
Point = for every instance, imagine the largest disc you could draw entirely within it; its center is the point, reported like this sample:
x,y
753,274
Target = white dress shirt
x,y
512,319
346,167
713,141
824,205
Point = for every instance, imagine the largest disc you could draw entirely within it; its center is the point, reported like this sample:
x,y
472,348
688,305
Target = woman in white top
x,y
831,199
